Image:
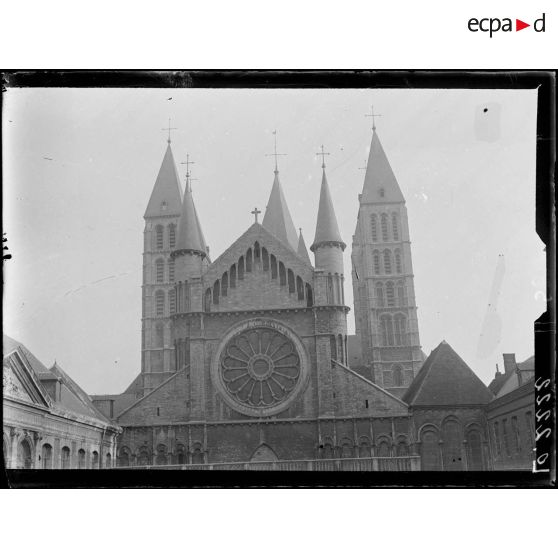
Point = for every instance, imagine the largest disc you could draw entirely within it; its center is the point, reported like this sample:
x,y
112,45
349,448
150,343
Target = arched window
x,y
390,294
249,260
273,267
397,375
379,295
197,455
333,347
65,457
376,258
144,457
108,461
46,456
172,301
395,225
124,458
374,227
398,266
159,303
386,328
384,219
346,449
291,281
172,235
309,296
24,456
451,448
81,459
95,460
474,451
299,288
497,440
282,274
387,262
216,290
224,284
401,294
161,458
257,254
180,454
207,301
232,277
329,286
159,271
159,336
171,271
382,450
515,437
265,259
159,237
400,327
241,268
402,450
430,451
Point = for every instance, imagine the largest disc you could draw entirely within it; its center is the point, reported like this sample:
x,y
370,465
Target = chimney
x,y
509,362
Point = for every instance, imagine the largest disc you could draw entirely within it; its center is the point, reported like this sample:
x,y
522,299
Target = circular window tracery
x,y
260,367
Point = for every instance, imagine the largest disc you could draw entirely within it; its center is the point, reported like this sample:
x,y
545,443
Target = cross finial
x,y
168,129
373,117
188,163
255,213
275,154
323,154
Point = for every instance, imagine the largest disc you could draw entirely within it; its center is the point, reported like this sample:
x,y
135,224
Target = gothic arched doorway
x,y
264,453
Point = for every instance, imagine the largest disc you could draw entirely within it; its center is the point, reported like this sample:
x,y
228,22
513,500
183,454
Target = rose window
x,y
260,367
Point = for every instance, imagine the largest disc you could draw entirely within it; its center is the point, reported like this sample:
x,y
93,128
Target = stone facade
x,y
49,422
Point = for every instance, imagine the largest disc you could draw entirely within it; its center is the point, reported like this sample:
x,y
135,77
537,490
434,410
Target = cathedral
x,y
246,361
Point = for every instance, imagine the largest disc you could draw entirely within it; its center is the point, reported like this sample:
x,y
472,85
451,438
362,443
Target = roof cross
x,y
323,154
255,213
373,117
188,163
275,154
169,130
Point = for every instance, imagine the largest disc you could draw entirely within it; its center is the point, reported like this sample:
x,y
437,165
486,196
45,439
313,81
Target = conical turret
x,y
190,235
277,219
327,229
166,197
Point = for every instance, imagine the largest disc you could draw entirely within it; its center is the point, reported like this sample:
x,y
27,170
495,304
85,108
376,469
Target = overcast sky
x,y
80,164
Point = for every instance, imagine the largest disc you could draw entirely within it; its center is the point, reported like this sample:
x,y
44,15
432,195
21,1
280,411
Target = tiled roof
x,y
445,379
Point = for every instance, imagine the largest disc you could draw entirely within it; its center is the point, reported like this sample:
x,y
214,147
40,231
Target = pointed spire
x,y
166,197
277,219
327,229
302,251
190,235
380,184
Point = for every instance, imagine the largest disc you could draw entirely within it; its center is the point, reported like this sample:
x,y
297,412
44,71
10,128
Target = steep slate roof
x,y
327,229
277,219
190,235
445,379
380,175
72,398
167,189
302,251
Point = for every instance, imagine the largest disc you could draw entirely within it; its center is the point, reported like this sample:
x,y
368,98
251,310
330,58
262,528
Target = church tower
x,y
159,240
383,287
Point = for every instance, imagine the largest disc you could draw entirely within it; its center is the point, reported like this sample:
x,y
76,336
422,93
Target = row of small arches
x,y
25,458
144,456
258,258
387,262
162,243
390,294
386,225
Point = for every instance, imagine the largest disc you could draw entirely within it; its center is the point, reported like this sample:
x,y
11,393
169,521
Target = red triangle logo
x,y
519,25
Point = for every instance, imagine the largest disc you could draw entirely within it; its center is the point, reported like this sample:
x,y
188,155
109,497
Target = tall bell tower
x,y
158,296
383,285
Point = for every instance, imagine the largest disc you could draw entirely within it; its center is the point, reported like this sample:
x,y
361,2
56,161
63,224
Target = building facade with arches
x,y
49,421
